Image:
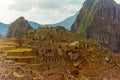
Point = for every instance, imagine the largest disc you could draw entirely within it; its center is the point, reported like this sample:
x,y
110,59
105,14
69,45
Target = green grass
x,y
6,46
19,50
20,63
3,54
20,57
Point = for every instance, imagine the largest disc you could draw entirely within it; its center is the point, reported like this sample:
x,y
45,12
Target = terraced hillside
x,y
18,63
56,54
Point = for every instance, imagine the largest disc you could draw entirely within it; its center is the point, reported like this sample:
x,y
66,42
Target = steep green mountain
x,y
3,28
99,20
18,28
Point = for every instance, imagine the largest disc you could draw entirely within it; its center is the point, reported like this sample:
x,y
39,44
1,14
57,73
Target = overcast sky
x,y
41,11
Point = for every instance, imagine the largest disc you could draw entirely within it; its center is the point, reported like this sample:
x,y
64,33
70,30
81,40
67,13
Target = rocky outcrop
x,y
99,20
18,28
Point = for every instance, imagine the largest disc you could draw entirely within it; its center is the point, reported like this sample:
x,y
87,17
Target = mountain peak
x,y
90,3
99,20
107,3
21,17
18,28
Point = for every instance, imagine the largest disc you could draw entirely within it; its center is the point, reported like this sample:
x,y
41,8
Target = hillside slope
x,y
99,20
56,54
86,59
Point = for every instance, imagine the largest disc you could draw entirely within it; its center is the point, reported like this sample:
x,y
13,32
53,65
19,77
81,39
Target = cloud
x,y
41,11
23,5
49,4
118,1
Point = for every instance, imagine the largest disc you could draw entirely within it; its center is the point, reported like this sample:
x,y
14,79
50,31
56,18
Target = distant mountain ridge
x,y
66,23
3,28
35,25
